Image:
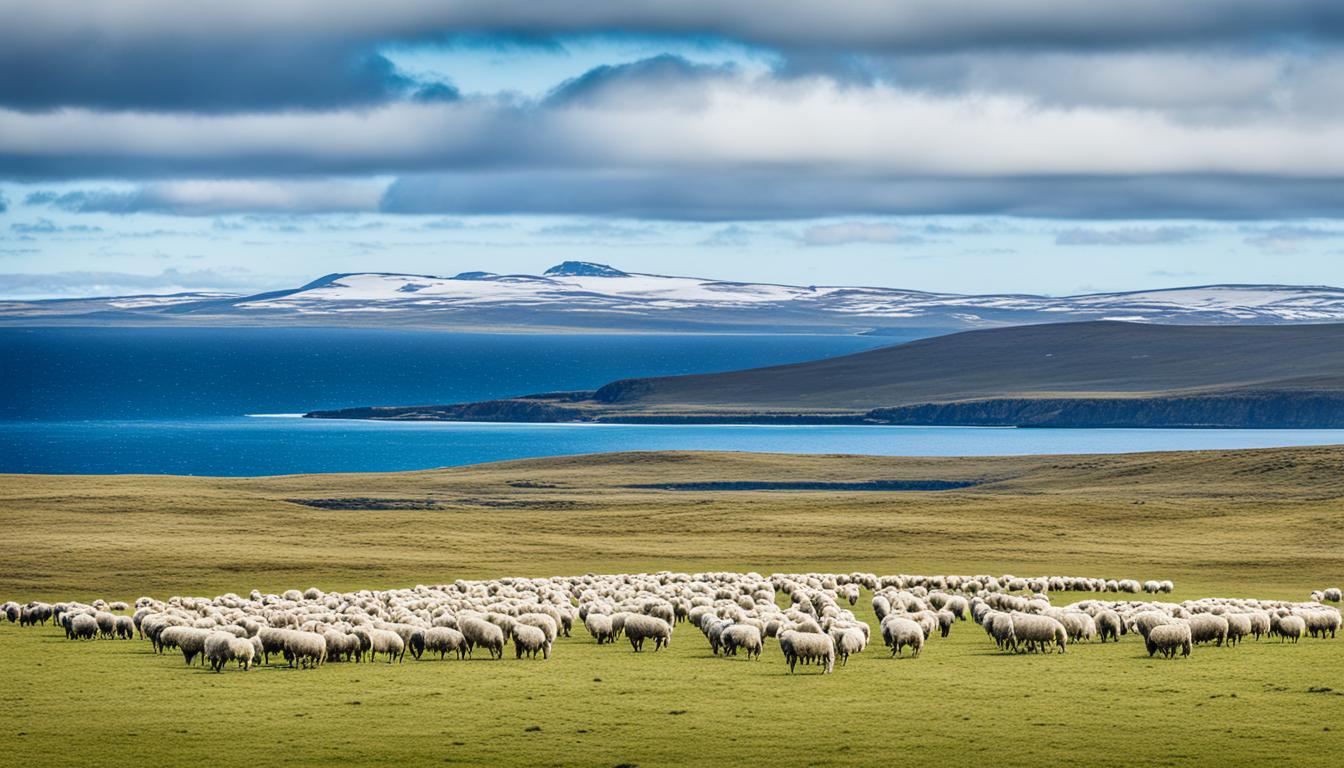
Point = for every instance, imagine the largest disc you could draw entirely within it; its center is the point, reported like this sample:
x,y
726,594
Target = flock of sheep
x,y
736,612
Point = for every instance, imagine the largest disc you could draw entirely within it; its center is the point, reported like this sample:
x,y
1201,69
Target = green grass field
x,y
1249,523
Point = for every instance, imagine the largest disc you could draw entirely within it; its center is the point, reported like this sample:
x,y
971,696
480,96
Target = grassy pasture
x,y
1246,523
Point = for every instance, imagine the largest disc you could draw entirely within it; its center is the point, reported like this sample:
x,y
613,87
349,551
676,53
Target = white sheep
x,y
1169,639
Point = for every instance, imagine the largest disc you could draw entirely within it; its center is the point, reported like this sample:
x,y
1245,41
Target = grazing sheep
x,y
807,647
945,621
1109,625
1169,639
1238,626
899,633
1039,633
82,627
107,623
12,611
1292,628
542,621
1144,621
1260,623
445,640
1206,627
391,645
599,626
481,632
124,628
1322,622
306,649
744,637
1079,625
342,646
1330,595
530,640
639,627
189,640
223,647
1000,627
848,641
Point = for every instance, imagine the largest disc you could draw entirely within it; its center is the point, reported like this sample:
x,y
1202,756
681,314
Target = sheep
x,y
82,627
1168,639
342,646
542,621
223,647
1205,627
1109,625
741,636
390,644
445,640
899,633
639,627
530,640
1330,595
107,623
1000,627
481,632
11,610
1322,622
189,640
1144,621
1238,627
945,620
1292,628
124,628
306,649
1039,633
1260,623
1079,625
807,647
599,626
848,641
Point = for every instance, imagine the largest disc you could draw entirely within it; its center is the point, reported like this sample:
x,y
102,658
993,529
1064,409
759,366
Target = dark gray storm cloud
x,y
260,54
209,75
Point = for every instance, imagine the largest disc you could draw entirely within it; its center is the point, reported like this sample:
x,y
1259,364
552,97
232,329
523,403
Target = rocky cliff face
x,y
1255,410
1279,410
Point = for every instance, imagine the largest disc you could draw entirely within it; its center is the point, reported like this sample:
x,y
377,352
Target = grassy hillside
x,y
1262,523
1267,516
1054,359
1065,374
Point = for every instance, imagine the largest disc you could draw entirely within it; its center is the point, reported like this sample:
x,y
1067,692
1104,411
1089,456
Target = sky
x,y
976,146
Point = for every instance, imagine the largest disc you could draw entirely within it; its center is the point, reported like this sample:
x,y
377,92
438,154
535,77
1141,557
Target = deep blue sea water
x,y
178,401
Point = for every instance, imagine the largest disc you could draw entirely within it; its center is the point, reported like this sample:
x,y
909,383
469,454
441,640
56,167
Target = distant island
x,y
1089,374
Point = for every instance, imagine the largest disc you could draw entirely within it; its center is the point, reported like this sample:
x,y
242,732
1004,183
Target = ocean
x,y
222,401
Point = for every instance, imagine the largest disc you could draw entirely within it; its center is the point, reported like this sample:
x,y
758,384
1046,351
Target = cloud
x,y
195,72
49,227
666,78
94,283
210,197
844,233
731,236
1289,238
1128,236
595,230
754,195
4,203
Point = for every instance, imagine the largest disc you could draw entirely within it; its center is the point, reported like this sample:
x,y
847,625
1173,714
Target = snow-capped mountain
x,y
582,295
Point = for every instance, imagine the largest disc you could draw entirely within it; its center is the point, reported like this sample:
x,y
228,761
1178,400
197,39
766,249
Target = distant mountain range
x,y
595,297
1092,374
